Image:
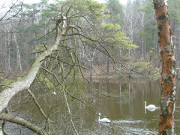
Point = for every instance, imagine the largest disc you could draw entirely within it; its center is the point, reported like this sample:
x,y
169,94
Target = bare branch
x,y
25,83
22,122
38,105
16,13
10,10
3,127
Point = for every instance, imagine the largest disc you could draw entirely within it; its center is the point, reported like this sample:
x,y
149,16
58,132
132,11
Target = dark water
x,y
129,109
126,109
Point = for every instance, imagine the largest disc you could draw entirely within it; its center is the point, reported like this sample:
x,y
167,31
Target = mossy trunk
x,y
168,86
24,84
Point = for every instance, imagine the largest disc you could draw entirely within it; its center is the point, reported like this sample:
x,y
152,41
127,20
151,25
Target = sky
x,y
121,1
3,3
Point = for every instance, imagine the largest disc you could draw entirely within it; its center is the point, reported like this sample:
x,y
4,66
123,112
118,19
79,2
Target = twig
x,y
10,10
8,86
40,109
38,105
65,96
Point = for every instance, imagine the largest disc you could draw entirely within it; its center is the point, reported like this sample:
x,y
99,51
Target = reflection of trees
x,y
110,88
57,118
73,24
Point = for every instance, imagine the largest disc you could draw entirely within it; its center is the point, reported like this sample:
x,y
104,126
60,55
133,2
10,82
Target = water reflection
x,y
122,104
130,104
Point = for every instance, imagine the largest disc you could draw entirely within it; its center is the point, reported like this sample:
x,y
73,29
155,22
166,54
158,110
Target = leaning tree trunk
x,y
168,86
7,94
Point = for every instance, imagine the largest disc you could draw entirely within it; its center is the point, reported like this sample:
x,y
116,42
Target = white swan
x,y
103,120
150,107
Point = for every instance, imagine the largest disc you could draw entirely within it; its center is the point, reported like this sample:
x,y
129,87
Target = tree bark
x,y
22,122
168,86
25,83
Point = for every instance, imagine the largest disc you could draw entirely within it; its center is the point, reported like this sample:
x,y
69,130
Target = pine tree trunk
x,y
168,86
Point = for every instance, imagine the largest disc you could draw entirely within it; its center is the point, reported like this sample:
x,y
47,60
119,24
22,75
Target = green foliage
x,y
141,65
89,8
6,82
48,82
115,12
147,9
77,87
19,78
130,46
39,48
50,11
147,69
96,8
149,31
174,11
111,27
116,37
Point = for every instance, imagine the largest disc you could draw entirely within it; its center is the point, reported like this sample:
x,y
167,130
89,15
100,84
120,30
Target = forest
x,y
66,62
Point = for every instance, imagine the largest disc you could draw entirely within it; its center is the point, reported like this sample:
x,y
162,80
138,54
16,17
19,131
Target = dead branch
x,y
10,10
26,82
22,122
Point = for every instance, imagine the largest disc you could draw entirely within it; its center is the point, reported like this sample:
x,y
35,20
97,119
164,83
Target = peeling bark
x,y
168,86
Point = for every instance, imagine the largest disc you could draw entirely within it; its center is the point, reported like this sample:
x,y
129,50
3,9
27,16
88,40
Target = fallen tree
x,y
7,94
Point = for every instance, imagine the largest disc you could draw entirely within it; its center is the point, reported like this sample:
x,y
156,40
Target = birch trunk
x,y
19,65
167,104
9,52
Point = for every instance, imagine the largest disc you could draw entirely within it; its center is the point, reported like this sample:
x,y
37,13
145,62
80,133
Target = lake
x,y
125,109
